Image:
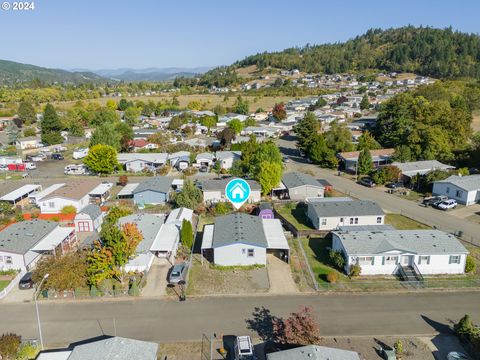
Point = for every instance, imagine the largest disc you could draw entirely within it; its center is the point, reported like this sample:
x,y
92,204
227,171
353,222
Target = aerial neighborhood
x,y
208,214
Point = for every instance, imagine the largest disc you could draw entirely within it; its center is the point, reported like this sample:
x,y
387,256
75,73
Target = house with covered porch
x,y
349,160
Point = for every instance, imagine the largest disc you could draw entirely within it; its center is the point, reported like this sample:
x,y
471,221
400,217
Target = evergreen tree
x,y
27,113
365,163
51,126
106,134
12,132
365,103
186,234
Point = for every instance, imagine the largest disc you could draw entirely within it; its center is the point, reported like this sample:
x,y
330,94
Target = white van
x,y
30,166
244,348
75,169
80,153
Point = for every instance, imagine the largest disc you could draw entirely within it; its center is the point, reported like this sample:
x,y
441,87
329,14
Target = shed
x,y
90,218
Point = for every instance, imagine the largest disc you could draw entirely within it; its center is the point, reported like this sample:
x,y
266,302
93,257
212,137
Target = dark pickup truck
x,y
433,201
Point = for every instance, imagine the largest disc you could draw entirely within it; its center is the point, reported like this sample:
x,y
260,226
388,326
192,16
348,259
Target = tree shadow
x,y
262,323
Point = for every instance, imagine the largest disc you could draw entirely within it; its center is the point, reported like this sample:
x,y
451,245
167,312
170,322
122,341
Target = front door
x,y
407,260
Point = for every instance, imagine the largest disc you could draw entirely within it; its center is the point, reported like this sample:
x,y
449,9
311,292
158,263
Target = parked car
x,y
366,181
178,274
57,156
80,153
447,204
394,185
203,169
243,348
433,201
26,281
454,355
59,148
286,159
30,166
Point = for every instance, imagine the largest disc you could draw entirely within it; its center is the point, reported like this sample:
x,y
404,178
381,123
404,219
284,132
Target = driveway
x,y
280,276
157,278
18,296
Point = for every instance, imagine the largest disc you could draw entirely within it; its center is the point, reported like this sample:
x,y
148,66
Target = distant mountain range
x,y
148,74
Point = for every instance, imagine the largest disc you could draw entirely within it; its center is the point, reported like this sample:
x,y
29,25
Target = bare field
x,y
210,100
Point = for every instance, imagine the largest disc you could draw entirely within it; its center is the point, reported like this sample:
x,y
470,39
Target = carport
x,y
127,191
207,241
277,242
21,193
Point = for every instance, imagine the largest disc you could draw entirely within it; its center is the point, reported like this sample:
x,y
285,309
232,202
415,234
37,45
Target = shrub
x,y
9,346
355,270
223,208
134,290
398,346
164,170
337,259
55,218
190,171
332,277
28,351
123,180
69,209
470,265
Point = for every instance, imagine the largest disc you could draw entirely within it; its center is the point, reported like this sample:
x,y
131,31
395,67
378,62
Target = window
x,y
365,260
379,220
458,193
356,221
8,259
351,221
390,260
341,220
324,221
51,205
423,260
244,251
448,189
251,253
454,259
1,258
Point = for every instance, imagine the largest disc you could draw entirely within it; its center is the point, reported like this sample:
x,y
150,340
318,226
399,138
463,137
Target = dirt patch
x,y
206,280
180,351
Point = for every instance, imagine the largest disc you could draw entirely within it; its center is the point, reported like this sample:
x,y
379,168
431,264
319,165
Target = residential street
x,y
391,203
160,320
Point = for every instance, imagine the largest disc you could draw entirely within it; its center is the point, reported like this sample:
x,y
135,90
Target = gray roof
x,y
221,155
421,167
156,183
115,348
422,242
295,179
205,155
467,183
366,228
148,224
22,236
346,208
215,185
239,228
91,210
314,352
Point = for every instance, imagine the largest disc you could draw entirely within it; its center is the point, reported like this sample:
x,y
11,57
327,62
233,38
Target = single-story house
x,y
154,190
227,158
313,352
127,191
412,168
179,159
21,193
137,162
29,142
23,243
33,197
90,218
464,189
214,191
299,186
240,240
141,144
383,252
204,159
117,348
379,157
329,215
75,193
265,211
178,215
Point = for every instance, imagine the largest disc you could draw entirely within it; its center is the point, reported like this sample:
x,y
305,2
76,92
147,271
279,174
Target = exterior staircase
x,y
411,275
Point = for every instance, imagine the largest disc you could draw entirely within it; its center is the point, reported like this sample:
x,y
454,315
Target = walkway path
x,y
157,278
280,276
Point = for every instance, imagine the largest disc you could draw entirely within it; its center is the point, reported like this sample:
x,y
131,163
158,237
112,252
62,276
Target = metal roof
x,y
75,189
205,155
295,179
207,239
274,234
156,158
346,208
220,185
101,189
128,189
156,183
22,236
314,352
20,192
222,155
421,167
238,228
467,183
115,348
148,224
41,194
167,238
423,242
53,239
347,228
178,215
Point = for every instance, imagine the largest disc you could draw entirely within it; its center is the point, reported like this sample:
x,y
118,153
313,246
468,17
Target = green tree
x,y
339,137
111,104
321,154
241,106
219,110
132,115
116,212
102,159
123,104
9,346
27,113
365,163
12,133
208,121
190,196
186,234
100,265
470,264
29,131
402,154
365,103
51,126
307,130
269,175
104,115
226,136
249,122
236,125
366,141
125,133
106,134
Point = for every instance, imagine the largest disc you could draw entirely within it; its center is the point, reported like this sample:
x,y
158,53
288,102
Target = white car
x,y
30,166
244,348
447,204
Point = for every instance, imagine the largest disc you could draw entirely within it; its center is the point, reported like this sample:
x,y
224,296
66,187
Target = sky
x,y
109,34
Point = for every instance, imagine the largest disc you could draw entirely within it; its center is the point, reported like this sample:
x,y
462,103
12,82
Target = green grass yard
x,y
401,222
4,284
296,215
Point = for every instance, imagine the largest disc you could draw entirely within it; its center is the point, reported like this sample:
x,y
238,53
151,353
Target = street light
x,y
36,308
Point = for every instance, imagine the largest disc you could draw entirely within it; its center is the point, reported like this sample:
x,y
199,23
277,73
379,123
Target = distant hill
x,y
439,53
13,72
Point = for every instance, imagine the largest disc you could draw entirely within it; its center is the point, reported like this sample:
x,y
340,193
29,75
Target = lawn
x,y
296,215
401,222
4,284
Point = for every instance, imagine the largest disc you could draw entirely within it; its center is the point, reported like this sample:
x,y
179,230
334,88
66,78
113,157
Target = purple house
x,y
265,211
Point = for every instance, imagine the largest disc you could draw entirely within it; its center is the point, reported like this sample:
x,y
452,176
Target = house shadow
x,y
446,340
75,344
262,323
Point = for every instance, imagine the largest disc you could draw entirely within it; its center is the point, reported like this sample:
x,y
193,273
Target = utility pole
x,y
36,308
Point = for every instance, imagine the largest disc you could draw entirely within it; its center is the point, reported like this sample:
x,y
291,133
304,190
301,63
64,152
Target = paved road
x,y
388,202
159,320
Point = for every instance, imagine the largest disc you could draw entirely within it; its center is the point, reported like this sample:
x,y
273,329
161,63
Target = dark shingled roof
x,y
22,236
239,228
91,210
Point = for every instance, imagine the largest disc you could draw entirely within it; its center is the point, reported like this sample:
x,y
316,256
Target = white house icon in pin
x,y
238,191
